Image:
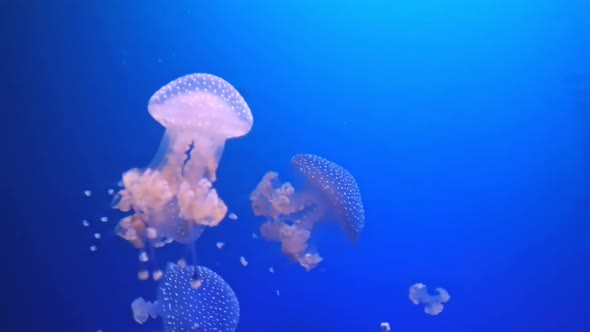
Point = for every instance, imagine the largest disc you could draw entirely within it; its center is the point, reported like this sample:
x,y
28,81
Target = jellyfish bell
x,y
329,192
332,184
212,306
173,199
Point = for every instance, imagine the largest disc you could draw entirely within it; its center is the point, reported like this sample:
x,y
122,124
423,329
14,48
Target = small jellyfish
x,y
97,236
173,199
211,307
278,293
385,327
111,192
433,303
233,216
271,269
85,223
93,248
220,245
104,219
243,261
254,236
329,192
87,193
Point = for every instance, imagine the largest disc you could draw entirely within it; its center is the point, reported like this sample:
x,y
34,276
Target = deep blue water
x,y
465,123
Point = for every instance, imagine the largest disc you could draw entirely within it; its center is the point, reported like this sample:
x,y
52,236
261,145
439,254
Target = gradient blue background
x,y
465,123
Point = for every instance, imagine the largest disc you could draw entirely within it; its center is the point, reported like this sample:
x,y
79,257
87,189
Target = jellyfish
x,y
211,307
173,199
433,303
329,192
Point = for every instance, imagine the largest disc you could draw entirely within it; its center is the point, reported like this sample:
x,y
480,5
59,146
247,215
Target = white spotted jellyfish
x,y
212,306
173,199
329,192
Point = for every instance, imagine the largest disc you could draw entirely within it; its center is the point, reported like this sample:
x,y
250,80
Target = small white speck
x,y
278,293
111,192
271,270
97,236
93,248
143,275
220,245
243,261
85,223
88,193
254,236
385,327
233,216
157,275
104,219
143,257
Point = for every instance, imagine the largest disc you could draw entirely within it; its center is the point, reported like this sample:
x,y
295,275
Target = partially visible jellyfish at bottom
x,y
329,193
173,199
210,305
433,304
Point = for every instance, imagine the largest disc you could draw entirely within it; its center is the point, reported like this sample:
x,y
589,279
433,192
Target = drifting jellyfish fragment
x,y
233,216
220,245
211,307
173,198
433,303
243,261
330,193
385,327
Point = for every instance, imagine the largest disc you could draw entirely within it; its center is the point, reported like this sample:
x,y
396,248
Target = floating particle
x,y
278,293
271,270
220,245
254,236
385,327
152,233
143,275
143,257
93,248
243,261
97,236
196,284
88,193
111,192
233,216
85,223
104,219
157,275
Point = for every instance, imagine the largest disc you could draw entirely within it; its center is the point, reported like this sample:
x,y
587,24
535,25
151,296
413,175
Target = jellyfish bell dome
x,y
200,110
173,198
337,187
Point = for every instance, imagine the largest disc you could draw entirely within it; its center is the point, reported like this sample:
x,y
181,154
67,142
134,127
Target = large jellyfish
x,y
173,198
433,303
210,305
329,192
